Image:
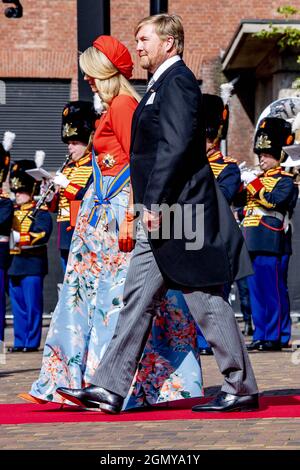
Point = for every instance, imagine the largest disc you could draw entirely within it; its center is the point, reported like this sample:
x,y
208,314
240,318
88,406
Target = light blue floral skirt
x,y
87,311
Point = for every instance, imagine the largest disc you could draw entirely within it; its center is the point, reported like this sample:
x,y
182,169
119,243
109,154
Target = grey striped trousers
x,y
144,288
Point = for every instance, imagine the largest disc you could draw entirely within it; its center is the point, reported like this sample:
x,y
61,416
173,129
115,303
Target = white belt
x,y
4,239
64,212
264,212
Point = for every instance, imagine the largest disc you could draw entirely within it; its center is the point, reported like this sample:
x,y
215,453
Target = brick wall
x,y
44,43
209,27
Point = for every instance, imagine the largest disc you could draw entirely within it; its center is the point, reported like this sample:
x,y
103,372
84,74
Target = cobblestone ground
x,y
278,373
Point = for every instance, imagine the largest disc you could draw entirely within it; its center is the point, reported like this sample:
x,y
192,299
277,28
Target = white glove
x,y
248,176
49,197
44,187
16,236
14,239
61,180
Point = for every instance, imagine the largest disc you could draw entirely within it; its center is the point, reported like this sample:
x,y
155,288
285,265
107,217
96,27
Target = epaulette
x,y
273,172
286,173
84,160
229,160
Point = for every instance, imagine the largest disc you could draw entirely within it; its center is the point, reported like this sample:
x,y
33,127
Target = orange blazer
x,y
113,133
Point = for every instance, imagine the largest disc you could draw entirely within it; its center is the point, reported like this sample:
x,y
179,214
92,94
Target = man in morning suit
x,y
169,166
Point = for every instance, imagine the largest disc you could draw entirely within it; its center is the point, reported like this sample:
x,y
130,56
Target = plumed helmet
x,y
271,135
216,116
5,147
19,180
78,121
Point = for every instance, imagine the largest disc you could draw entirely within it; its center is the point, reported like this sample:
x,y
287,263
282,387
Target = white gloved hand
x,y
16,237
248,176
44,187
61,180
49,197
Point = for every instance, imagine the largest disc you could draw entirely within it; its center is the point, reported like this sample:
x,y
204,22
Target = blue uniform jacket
x,y
80,177
30,257
227,174
6,218
287,246
266,201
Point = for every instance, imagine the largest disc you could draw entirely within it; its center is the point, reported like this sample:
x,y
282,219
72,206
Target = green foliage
x,y
287,10
286,36
296,83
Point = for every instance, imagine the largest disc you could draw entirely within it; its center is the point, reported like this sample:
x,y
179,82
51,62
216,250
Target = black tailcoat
x,y
169,165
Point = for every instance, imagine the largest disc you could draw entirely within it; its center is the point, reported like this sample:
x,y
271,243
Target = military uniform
x,y
6,216
80,176
268,198
78,123
29,263
225,169
286,323
227,174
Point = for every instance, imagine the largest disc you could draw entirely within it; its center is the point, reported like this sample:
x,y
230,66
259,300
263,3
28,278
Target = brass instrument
x,y
50,189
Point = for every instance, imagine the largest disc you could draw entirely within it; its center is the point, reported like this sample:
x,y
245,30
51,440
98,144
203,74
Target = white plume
x,y
226,91
39,158
296,123
8,140
98,104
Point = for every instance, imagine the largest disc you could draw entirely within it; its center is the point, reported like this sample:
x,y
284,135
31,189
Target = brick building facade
x,y
43,44
39,68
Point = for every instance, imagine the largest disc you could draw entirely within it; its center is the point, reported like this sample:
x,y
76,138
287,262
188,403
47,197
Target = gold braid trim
x,y
36,237
263,201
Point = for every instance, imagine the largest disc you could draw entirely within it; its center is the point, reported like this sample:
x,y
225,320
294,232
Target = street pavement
x,y
278,373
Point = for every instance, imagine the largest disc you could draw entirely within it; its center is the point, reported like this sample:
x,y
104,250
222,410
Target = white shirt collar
x,y
164,66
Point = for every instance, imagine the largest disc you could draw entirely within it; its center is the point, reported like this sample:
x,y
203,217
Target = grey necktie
x,y
150,83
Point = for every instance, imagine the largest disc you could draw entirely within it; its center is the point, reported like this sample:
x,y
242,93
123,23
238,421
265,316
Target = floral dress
x,y
85,317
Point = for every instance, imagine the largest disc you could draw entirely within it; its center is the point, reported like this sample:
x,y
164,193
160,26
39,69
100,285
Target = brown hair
x,y
166,25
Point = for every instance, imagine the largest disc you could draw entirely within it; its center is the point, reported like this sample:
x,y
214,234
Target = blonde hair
x,y
166,25
108,80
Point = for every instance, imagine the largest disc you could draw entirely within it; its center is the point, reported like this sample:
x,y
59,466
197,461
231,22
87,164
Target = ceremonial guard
x,y
268,199
6,217
78,123
225,169
290,163
228,176
29,263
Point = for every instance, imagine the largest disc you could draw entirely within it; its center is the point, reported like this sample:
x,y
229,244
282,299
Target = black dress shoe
x,y
227,402
270,346
206,352
255,345
93,397
15,349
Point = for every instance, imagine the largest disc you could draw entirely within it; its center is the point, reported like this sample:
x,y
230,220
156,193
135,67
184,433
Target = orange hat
x,y
116,52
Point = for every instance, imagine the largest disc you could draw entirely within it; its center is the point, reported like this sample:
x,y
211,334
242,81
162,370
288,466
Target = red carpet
x,y
270,407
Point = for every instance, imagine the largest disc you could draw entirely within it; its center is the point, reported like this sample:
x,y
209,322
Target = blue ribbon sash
x,y
103,201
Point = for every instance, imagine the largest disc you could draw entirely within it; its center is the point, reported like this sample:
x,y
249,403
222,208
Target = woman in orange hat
x,y
92,294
